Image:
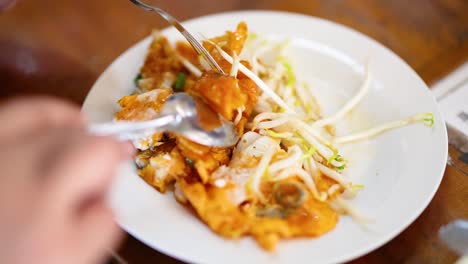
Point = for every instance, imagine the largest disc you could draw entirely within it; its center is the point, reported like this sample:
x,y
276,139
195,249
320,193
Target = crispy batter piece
x,y
221,93
224,94
161,65
231,42
205,159
164,167
143,106
212,205
214,208
227,95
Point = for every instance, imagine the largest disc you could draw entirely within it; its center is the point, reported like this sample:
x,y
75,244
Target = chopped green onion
x,y
180,82
137,79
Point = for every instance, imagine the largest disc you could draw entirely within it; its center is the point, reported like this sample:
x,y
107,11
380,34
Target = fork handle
x,y
175,23
125,130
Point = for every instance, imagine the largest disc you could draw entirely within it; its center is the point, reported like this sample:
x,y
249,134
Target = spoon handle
x,y
125,130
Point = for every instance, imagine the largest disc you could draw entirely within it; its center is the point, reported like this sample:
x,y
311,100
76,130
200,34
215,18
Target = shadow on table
x,y
134,251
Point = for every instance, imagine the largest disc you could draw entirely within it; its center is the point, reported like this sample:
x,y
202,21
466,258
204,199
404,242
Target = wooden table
x,y
60,47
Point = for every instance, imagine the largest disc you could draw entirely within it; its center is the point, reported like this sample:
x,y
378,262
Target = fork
x,y
201,51
179,114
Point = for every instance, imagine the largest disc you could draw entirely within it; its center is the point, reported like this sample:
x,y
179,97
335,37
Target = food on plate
x,y
283,179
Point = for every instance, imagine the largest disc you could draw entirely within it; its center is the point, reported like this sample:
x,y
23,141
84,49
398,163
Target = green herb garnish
x,y
180,82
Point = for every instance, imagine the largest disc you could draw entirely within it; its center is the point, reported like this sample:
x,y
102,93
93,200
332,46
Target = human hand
x,y
53,182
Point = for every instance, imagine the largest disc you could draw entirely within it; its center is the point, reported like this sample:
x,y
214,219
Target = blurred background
x,y
59,48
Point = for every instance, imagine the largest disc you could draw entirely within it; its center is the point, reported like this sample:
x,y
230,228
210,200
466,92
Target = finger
x,y
39,152
97,233
85,168
27,161
24,116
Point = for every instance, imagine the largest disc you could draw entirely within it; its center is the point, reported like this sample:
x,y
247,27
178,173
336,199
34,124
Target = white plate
x,y
401,170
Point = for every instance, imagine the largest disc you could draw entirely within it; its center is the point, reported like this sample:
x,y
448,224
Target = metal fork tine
x,y
199,49
195,43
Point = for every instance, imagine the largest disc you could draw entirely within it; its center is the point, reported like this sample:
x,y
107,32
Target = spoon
x,y
182,115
